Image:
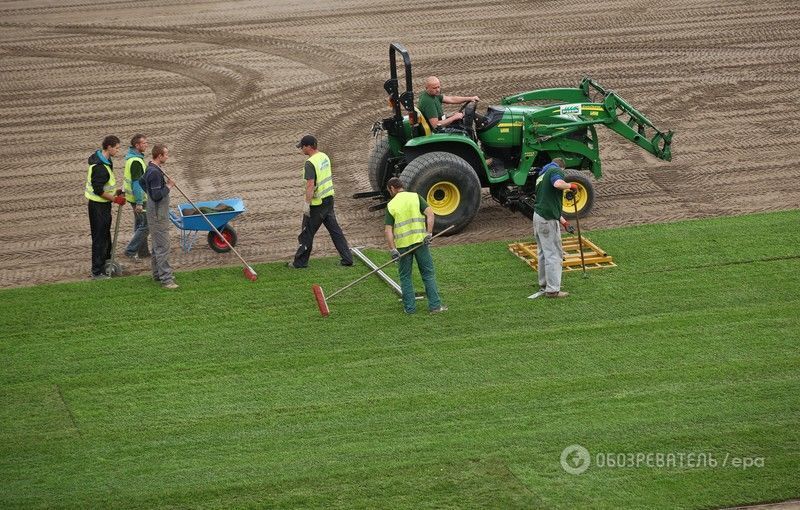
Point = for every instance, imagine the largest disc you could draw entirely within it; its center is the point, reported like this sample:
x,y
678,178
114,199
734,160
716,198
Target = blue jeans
x,y
425,263
138,242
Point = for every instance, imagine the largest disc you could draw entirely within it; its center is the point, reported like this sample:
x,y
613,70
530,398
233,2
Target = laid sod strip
x,y
229,393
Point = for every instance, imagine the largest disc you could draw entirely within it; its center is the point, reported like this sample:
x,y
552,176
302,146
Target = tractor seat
x,y
423,122
492,118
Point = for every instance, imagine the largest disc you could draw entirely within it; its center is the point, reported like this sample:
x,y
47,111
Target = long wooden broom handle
x,y
205,218
387,263
578,224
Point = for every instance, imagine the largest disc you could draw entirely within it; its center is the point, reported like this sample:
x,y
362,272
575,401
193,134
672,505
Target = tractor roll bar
x,y
392,85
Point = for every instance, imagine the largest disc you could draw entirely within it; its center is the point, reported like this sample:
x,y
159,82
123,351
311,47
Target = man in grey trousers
x,y
550,186
157,187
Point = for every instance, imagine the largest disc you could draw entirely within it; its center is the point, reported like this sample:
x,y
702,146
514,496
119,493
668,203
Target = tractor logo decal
x,y
570,109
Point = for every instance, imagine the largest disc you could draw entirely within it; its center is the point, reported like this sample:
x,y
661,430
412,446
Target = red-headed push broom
x,y
248,271
322,301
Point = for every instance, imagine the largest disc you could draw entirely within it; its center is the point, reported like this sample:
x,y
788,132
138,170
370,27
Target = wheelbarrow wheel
x,y
217,244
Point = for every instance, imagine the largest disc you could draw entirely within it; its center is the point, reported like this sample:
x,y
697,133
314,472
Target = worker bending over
x,y
409,223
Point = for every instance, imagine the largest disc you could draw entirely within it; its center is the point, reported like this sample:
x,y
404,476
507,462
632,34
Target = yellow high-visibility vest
x,y
322,169
409,222
107,187
127,186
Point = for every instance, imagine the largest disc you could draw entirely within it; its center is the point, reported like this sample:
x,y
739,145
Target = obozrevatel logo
x,y
575,459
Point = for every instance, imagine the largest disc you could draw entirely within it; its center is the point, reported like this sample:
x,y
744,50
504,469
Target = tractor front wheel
x,y
216,243
584,196
449,185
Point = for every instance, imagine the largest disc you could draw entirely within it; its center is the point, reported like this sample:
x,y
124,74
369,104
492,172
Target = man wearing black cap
x,y
318,206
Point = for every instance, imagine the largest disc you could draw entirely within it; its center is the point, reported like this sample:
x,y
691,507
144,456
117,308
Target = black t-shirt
x,y
137,170
310,171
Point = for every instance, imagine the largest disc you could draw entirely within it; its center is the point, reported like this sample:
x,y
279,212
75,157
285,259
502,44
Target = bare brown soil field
x,y
230,87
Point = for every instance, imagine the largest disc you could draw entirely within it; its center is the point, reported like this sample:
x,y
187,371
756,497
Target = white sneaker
x,y
170,285
537,294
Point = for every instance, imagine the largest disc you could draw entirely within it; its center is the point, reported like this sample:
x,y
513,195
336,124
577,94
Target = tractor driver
x,y
430,103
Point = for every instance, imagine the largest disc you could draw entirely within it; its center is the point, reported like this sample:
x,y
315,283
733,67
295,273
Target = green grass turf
x,y
227,393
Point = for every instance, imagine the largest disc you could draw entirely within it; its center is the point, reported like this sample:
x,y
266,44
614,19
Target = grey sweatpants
x,y
159,224
549,250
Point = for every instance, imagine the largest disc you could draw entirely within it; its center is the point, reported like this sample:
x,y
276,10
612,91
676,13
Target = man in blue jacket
x,y
136,197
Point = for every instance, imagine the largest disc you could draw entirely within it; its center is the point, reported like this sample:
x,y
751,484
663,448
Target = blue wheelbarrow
x,y
191,225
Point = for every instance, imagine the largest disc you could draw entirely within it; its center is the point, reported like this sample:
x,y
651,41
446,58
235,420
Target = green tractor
x,y
502,150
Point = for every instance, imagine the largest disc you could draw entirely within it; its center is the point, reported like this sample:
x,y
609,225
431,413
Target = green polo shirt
x,y
431,106
548,197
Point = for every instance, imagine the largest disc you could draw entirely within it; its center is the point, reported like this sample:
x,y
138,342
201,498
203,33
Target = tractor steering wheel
x,y
468,109
464,106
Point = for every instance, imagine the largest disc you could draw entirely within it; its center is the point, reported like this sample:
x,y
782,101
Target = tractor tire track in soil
x,y
231,91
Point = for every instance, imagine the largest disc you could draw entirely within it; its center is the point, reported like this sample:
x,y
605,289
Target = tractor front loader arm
x,y
637,128
556,122
588,104
560,95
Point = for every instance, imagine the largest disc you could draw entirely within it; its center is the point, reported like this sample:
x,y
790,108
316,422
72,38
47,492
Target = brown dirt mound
x,y
231,90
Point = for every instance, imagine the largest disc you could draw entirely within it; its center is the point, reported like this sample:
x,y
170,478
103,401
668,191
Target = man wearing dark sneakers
x,y
318,206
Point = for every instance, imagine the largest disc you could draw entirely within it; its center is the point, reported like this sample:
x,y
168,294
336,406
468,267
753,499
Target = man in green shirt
x,y
550,186
409,226
430,103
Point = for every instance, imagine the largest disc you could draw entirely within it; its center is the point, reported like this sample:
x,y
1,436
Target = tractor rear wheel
x,y
449,185
584,197
378,166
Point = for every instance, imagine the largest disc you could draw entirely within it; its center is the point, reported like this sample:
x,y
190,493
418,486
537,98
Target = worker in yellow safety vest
x,y
318,206
134,194
100,191
409,223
